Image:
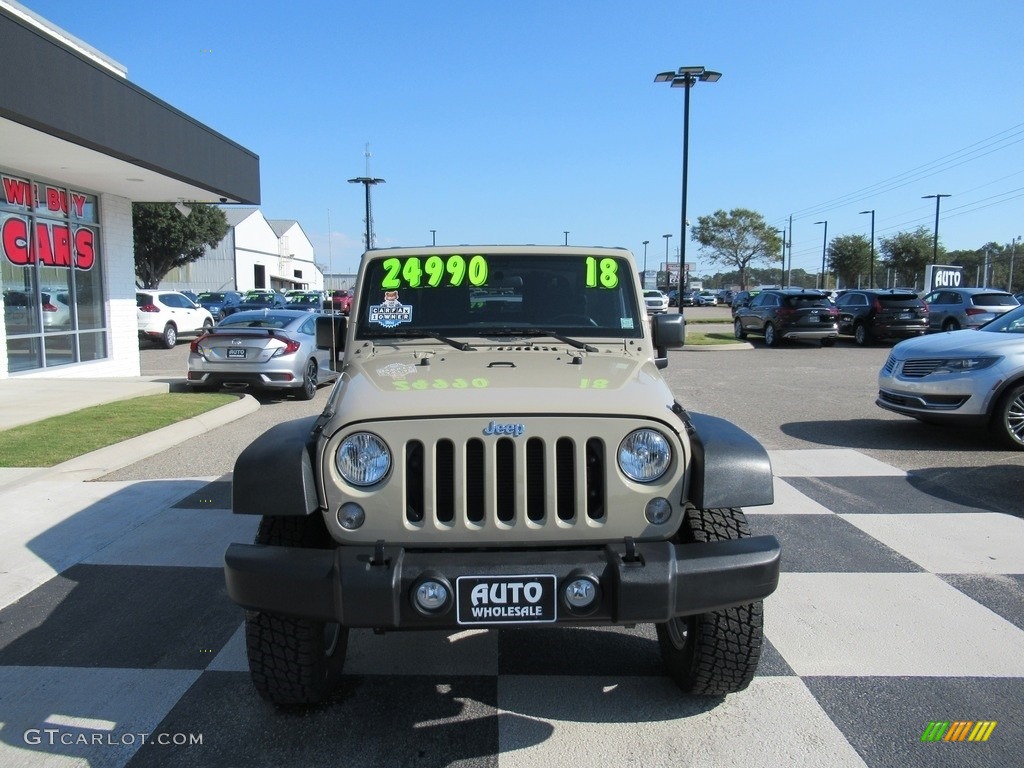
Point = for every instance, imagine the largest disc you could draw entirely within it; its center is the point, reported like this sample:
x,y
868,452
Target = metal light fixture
x,y
935,240
367,182
824,246
871,269
183,209
685,77
679,287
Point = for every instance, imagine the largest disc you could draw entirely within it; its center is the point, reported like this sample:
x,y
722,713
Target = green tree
x,y
737,239
165,239
907,254
849,256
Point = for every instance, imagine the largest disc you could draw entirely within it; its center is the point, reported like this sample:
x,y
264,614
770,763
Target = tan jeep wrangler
x,y
500,450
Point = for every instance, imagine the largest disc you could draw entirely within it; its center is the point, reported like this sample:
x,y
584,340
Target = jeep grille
x,y
535,480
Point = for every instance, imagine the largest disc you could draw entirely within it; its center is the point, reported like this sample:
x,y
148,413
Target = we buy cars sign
x,y
52,243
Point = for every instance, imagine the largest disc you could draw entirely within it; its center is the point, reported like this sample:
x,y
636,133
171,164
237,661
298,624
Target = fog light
x,y
431,596
658,511
581,594
351,516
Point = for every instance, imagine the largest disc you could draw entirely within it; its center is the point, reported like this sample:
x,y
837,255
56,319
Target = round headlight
x,y
644,455
363,459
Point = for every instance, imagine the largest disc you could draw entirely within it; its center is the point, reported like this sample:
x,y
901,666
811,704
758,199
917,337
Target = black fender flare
x,y
730,468
274,474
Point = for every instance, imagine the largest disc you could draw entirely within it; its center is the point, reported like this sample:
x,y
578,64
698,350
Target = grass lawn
x,y
55,440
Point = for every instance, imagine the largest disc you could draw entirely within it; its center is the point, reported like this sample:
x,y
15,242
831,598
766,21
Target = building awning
x,y
66,118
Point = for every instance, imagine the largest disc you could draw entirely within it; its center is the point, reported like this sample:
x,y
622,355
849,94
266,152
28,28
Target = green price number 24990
x,y
415,272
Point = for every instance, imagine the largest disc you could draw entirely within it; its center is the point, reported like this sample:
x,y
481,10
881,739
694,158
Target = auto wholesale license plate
x,y
527,599
236,353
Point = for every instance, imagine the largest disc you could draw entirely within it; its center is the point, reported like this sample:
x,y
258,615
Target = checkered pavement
x,y
896,608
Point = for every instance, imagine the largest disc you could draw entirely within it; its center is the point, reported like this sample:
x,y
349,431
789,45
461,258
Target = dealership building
x,y
79,143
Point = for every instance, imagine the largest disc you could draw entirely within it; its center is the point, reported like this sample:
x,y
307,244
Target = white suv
x,y
165,315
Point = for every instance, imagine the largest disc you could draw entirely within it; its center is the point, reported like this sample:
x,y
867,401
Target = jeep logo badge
x,y
494,428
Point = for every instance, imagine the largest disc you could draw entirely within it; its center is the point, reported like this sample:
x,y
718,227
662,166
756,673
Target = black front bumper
x,y
373,586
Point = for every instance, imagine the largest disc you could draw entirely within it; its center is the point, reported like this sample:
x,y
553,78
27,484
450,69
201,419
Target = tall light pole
x,y
643,280
433,237
824,246
871,269
367,182
935,241
782,272
686,78
1013,254
566,232
679,288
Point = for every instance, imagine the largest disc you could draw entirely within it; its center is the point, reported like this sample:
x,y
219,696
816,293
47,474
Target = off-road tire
x,y
715,653
294,662
771,338
737,330
170,336
1008,418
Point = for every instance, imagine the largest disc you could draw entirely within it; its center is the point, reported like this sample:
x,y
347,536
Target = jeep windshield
x,y
571,295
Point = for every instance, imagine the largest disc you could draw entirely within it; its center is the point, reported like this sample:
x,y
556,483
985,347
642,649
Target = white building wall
x,y
297,255
255,244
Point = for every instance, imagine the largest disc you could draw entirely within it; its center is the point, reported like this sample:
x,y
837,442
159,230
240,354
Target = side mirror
x,y
330,334
668,331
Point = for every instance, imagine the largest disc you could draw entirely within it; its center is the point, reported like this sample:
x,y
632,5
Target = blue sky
x,y
515,122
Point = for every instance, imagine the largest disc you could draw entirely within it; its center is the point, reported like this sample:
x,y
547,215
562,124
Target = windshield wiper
x,y
462,346
541,332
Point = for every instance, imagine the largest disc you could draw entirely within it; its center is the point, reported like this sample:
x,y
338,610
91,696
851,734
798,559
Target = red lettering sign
x,y
78,201
56,199
85,253
14,238
17,192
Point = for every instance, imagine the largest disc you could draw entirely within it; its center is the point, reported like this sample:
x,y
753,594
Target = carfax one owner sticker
x,y
391,312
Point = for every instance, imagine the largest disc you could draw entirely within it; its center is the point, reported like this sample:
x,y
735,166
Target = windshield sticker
x,y
391,312
602,273
434,272
626,322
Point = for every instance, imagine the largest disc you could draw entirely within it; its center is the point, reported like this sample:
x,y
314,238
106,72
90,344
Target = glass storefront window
x,y
51,274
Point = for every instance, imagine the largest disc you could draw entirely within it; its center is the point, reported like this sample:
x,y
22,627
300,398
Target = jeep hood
x,y
527,380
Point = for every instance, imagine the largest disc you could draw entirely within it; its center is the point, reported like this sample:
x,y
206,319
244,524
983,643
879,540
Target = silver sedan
x,y
961,378
267,349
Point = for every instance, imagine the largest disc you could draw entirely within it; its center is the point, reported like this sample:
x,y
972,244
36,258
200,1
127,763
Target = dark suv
x,y
868,315
789,313
742,299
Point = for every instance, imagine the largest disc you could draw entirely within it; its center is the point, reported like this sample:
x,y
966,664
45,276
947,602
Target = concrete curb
x,y
738,347
106,460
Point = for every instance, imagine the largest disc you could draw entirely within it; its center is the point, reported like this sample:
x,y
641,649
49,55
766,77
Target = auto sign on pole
x,y
942,276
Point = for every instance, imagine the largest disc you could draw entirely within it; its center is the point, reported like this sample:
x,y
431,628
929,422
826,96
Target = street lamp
x,y
685,78
678,286
824,245
1013,254
782,272
935,241
433,237
644,279
367,182
566,232
871,269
